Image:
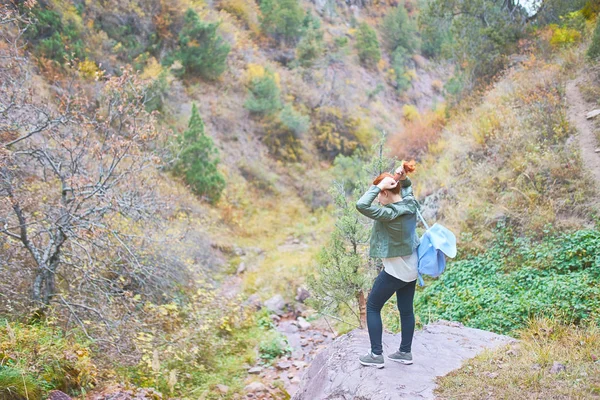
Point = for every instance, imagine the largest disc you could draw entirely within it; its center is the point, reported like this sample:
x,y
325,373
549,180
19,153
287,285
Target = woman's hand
x,y
387,183
400,171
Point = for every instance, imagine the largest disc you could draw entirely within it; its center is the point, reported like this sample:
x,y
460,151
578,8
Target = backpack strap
x,y
422,219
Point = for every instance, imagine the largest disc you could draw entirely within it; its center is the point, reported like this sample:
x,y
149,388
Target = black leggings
x,y
384,287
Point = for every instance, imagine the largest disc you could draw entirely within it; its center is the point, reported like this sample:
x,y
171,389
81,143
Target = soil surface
x,y
577,111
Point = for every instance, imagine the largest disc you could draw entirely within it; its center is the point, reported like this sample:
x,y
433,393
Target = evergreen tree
x,y
202,51
198,160
367,45
344,270
282,19
264,96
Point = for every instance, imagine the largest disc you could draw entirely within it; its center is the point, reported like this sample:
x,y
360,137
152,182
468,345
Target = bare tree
x,y
68,165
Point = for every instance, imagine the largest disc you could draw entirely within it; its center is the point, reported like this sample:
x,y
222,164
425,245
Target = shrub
x,y
283,143
400,31
294,121
310,47
367,45
336,133
594,49
282,19
273,345
264,97
564,36
410,112
418,134
52,39
245,10
198,160
202,51
516,279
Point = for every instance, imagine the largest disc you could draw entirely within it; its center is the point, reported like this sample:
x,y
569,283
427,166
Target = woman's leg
x,y
384,287
405,296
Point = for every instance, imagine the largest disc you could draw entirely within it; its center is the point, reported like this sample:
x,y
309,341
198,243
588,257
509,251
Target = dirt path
x,y
577,110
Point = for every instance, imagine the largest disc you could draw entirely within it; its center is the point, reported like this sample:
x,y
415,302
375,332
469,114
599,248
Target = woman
x,y
394,240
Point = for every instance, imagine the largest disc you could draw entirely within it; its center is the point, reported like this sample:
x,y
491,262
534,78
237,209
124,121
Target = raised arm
x,y
365,204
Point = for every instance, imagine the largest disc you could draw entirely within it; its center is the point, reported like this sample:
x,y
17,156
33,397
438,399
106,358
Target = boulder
x,y
439,348
255,370
255,387
58,395
303,324
557,367
276,304
302,294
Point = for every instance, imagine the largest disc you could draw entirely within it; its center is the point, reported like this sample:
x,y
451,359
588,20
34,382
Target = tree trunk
x,y
362,308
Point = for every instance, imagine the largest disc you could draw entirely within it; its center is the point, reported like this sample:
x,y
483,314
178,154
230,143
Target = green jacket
x,y
394,227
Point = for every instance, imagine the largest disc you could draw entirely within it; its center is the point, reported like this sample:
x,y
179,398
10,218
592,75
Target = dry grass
x,y
523,370
506,158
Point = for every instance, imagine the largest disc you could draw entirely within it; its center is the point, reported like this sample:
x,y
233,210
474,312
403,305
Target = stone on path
x,y
255,370
593,114
255,387
223,389
439,348
303,324
275,304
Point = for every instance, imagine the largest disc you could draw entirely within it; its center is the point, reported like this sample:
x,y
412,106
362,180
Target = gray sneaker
x,y
372,359
403,358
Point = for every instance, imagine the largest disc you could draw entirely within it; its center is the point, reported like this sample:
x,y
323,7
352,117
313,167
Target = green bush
x,y
264,97
594,49
52,39
282,19
517,279
294,121
400,31
311,45
198,160
202,51
18,385
273,345
367,45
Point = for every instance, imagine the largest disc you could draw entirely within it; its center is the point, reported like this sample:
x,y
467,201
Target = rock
x,y
557,367
597,150
299,308
223,389
254,301
299,364
291,376
58,395
302,294
255,370
241,268
284,365
276,304
275,317
295,380
255,387
303,324
491,375
593,114
336,373
536,367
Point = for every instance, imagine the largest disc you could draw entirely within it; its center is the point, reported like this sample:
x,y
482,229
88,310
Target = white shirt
x,y
403,268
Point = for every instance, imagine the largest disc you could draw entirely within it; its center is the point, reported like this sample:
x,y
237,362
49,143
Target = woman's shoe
x,y
372,359
401,357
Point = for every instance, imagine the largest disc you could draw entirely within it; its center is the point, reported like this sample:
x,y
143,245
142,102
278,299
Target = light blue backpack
x,y
436,243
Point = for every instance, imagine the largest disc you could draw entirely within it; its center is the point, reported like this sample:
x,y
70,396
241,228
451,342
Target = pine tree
x,y
202,51
198,160
367,45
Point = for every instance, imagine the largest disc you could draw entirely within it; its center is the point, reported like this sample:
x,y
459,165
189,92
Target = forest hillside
x,y
178,179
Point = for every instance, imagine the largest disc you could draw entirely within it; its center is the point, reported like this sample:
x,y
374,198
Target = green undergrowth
x,y
518,278
37,358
